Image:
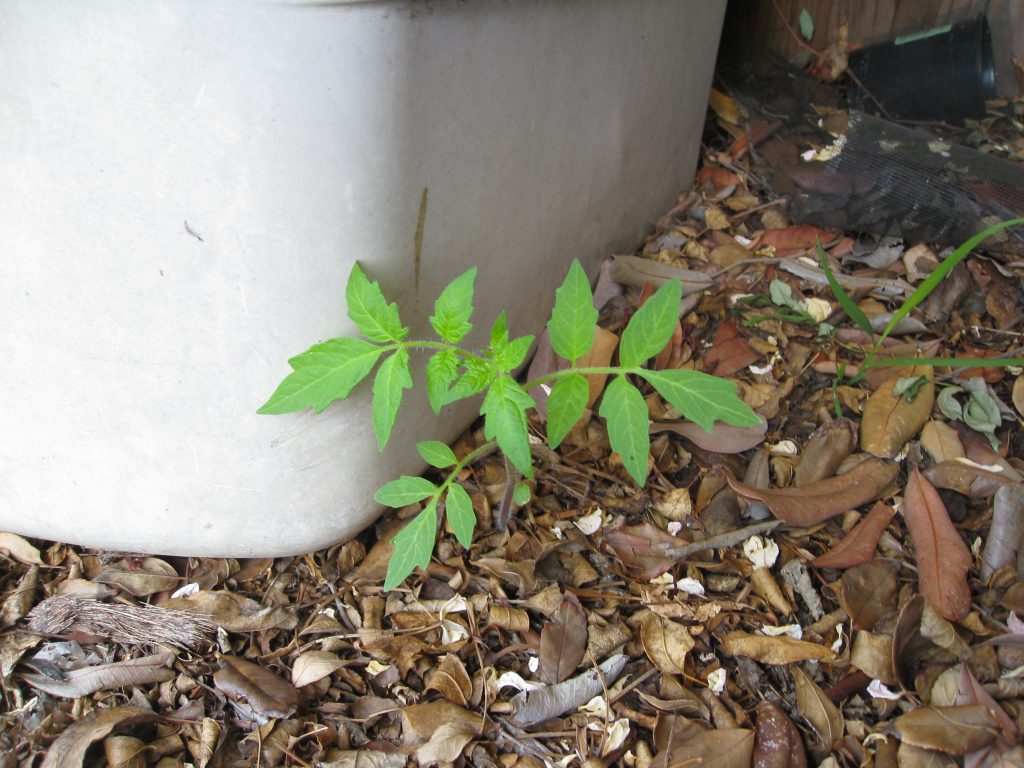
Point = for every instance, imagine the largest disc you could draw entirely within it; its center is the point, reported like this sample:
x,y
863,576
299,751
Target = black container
x,y
945,74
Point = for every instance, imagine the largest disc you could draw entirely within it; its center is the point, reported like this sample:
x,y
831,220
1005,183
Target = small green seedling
x,y
922,292
331,370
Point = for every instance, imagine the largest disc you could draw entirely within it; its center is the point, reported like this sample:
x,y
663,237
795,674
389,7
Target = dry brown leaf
x,y
451,680
796,239
819,710
826,498
13,545
314,665
724,106
535,706
234,612
723,438
83,588
640,548
720,748
858,546
101,677
666,643
1006,532
970,691
264,691
967,479
1017,395
367,758
942,557
446,743
563,641
941,441
141,578
124,752
69,750
872,655
598,356
888,420
730,352
826,449
777,742
13,646
204,746
868,593
774,650
514,619
636,271
21,599
954,730
421,721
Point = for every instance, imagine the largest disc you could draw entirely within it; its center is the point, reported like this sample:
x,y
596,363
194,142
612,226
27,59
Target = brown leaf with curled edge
x,y
888,420
867,593
730,352
774,650
145,577
451,680
817,708
777,742
666,643
264,691
563,641
70,748
81,682
954,730
723,438
942,557
311,666
421,721
858,546
819,501
366,758
641,548
970,691
719,748
634,271
598,356
826,449
1006,532
967,479
13,545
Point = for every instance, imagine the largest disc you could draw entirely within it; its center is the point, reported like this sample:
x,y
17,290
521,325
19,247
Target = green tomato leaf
x,y
521,494
477,377
392,377
504,410
370,311
405,490
650,329
574,318
508,356
413,545
437,454
499,332
454,307
322,374
624,409
442,371
566,403
461,517
702,398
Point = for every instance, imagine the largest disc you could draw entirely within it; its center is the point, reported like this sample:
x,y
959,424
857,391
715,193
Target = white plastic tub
x,y
185,186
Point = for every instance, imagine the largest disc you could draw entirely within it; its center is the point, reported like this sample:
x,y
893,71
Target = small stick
x,y
728,539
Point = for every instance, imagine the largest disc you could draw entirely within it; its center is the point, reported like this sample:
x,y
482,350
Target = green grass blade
x,y
849,306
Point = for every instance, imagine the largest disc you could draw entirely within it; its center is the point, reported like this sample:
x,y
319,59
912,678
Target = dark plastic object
x,y
944,74
885,179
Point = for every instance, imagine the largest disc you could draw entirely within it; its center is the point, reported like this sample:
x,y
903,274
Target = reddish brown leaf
x,y
777,742
868,593
729,351
796,239
723,438
827,498
858,546
970,691
641,548
942,557
264,691
563,642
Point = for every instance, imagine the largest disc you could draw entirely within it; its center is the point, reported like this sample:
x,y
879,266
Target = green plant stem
x,y
478,452
555,375
438,345
947,362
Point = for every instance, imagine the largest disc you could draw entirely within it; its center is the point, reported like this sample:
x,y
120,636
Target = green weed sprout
x,y
922,292
331,370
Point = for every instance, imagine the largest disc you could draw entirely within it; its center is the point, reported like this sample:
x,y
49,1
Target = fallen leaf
x,y
723,438
1006,532
858,546
20,601
366,758
531,707
666,643
641,548
942,557
421,721
446,743
970,691
826,498
563,641
515,619
234,612
451,680
124,752
967,479
145,577
635,271
102,677
777,742
724,106
311,666
69,750
1017,395
941,441
720,748
826,449
264,691
872,654
889,420
796,239
13,545
730,352
954,730
598,356
773,650
867,593
819,710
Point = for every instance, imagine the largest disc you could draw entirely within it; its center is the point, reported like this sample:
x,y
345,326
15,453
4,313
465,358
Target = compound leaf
x,y
454,307
566,403
461,517
405,490
442,371
370,311
504,410
322,374
650,329
437,454
624,409
702,398
477,376
574,318
413,545
392,377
